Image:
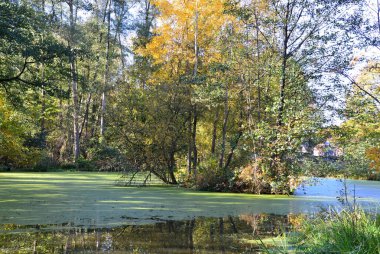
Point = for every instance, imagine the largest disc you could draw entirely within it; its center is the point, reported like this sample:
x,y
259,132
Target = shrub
x,y
251,180
109,159
211,178
212,181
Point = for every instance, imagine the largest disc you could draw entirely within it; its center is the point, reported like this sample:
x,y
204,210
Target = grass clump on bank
x,y
348,231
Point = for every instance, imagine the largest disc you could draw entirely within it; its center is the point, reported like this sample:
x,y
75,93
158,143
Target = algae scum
x,y
87,212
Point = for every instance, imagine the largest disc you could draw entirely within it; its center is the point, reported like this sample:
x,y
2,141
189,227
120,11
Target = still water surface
x,y
198,235
86,213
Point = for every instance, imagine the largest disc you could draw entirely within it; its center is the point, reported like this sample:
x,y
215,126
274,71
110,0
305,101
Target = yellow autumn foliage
x,y
179,23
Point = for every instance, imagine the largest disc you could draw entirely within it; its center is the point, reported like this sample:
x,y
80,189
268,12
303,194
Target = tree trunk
x,y
194,141
283,68
171,167
85,119
43,107
189,149
224,131
236,142
74,83
214,130
106,72
194,131
43,94
282,91
171,162
258,68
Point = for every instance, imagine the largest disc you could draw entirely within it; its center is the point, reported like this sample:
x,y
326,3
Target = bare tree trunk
x,y
106,72
74,83
118,32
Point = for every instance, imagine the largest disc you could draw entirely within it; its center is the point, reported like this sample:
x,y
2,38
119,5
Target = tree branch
x,y
17,77
358,86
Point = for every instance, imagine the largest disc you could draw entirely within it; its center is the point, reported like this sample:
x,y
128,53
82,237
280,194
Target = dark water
x,y
199,235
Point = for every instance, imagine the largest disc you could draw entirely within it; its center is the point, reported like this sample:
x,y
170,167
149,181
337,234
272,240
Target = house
x,y
327,150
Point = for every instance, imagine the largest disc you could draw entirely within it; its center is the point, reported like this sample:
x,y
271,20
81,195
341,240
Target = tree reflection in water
x,y
199,235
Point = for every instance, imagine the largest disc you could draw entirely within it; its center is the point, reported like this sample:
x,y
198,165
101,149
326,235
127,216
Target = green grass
x,y
342,232
347,231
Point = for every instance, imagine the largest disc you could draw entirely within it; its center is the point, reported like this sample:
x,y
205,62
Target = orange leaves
x,y
373,154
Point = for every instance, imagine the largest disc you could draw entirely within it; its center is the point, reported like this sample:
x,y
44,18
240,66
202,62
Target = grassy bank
x,y
347,231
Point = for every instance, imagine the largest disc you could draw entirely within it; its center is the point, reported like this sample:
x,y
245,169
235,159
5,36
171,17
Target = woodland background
x,y
220,95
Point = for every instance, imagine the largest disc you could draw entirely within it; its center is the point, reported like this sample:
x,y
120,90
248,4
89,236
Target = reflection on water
x,y
200,235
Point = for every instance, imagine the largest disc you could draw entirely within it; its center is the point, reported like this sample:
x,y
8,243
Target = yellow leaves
x,y
182,24
361,128
373,154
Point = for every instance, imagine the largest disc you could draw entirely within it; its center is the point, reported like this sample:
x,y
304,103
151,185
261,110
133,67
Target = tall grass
x,y
348,231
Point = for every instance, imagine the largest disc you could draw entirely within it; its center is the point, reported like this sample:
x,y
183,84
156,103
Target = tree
x,y
176,50
359,134
25,42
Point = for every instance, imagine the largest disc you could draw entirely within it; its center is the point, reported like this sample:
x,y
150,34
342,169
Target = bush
x,y
212,181
45,163
251,180
85,165
109,159
211,178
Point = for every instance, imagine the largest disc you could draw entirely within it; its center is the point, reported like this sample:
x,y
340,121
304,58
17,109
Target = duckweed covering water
x,y
93,199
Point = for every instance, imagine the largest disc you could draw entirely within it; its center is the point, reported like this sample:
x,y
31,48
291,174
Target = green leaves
x,y
25,40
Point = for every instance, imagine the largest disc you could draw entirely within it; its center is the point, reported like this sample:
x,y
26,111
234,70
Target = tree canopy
x,y
216,94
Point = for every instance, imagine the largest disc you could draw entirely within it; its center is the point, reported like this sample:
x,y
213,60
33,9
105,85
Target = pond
x,y
86,212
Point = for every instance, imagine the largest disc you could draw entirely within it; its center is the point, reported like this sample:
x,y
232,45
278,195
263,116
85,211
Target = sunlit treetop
x,y
180,25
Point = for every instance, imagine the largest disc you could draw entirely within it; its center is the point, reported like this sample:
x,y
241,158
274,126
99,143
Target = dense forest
x,y
214,94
